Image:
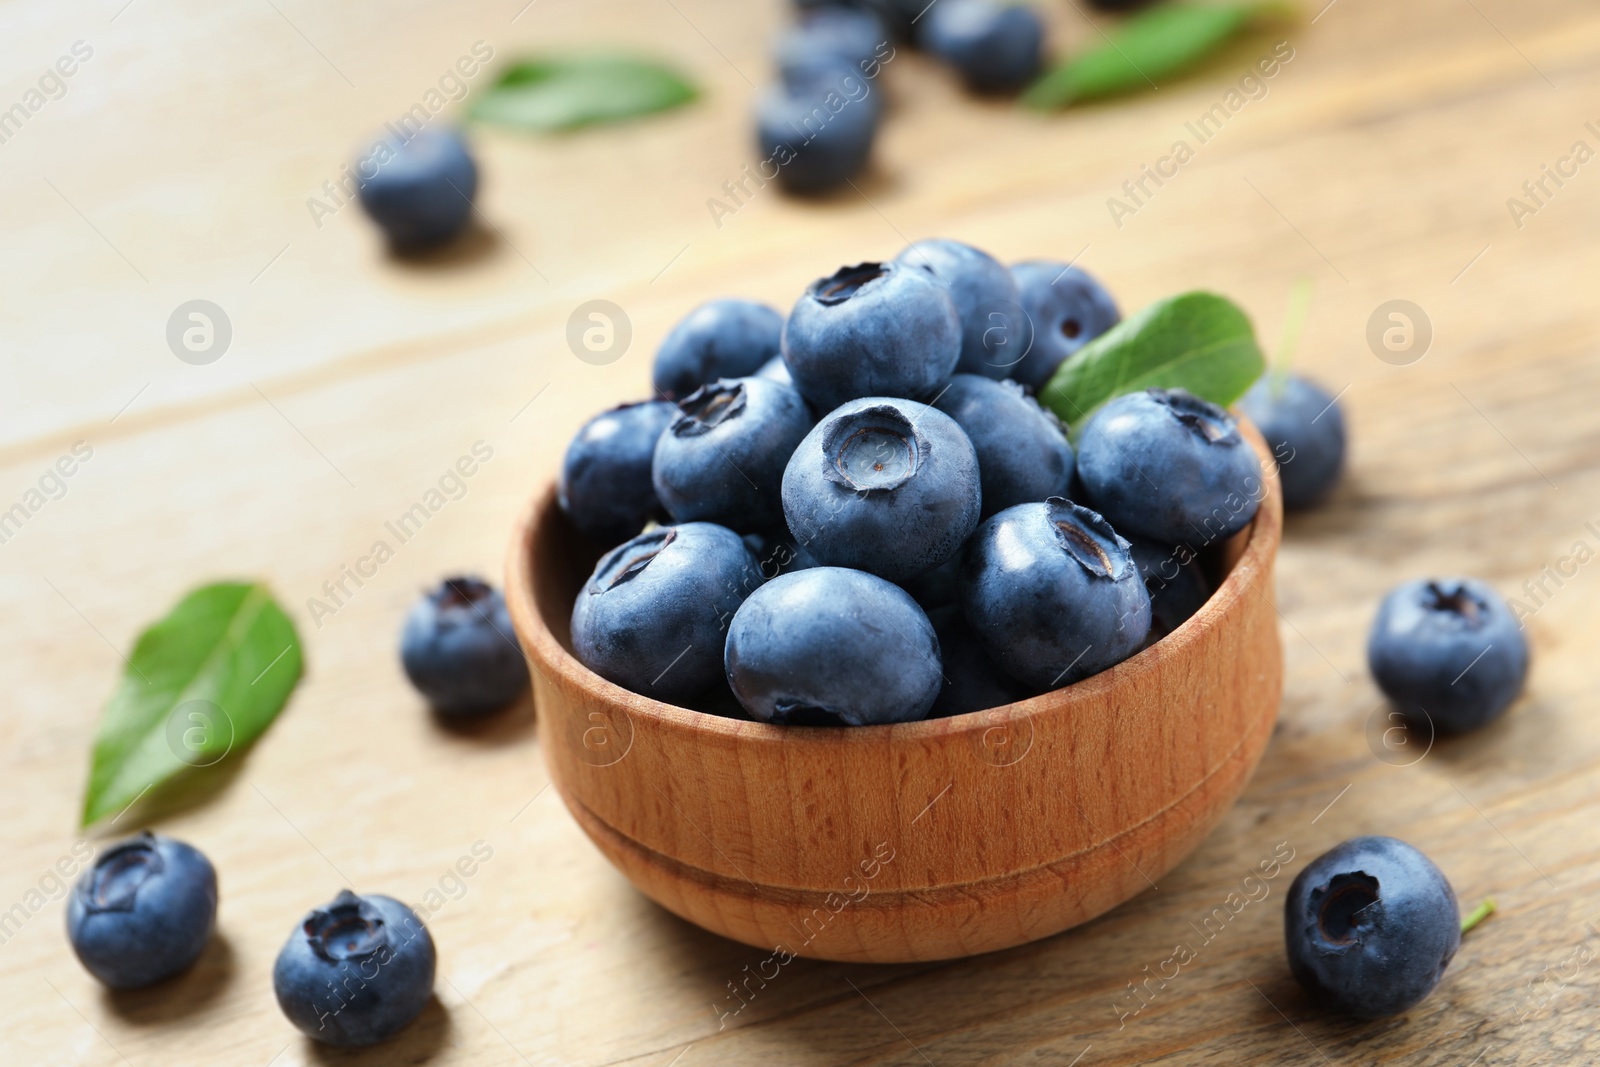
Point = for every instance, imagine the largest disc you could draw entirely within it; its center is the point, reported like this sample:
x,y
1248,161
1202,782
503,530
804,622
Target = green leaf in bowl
x,y
548,93
1160,42
207,679
1196,341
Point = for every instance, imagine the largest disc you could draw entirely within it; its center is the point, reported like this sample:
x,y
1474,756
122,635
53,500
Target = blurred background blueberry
x,y
421,194
460,651
996,47
143,912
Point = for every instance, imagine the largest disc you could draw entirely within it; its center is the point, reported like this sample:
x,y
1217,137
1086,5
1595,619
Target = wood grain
x,y
178,165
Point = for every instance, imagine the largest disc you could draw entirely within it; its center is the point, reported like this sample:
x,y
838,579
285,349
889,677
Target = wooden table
x,y
178,165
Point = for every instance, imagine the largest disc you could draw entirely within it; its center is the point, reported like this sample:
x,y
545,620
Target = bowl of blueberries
x,y
843,644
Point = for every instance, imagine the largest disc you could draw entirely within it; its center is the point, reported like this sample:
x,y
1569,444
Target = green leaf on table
x,y
551,93
1196,341
1158,43
207,679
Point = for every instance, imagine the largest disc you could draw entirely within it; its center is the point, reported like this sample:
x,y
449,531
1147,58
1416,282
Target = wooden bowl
x,y
918,841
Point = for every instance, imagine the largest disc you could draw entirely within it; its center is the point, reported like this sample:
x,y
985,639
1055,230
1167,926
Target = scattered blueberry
x,y
1067,309
421,194
1176,582
971,680
606,487
1304,429
143,912
1449,650
356,972
833,647
1370,926
851,37
883,485
1166,465
1053,593
818,130
1023,454
877,329
653,616
460,651
722,459
720,339
985,298
996,47
775,370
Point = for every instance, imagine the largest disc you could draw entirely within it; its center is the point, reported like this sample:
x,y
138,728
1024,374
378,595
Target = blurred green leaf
x,y
562,94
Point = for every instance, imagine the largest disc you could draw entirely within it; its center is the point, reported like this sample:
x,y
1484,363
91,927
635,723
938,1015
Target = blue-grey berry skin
x,y
818,130
1164,464
1023,454
775,370
885,486
996,47
143,912
1370,927
1176,582
832,647
606,487
1066,309
1053,593
985,297
654,614
972,682
720,339
722,459
1304,429
875,329
458,648
1449,652
852,37
421,192
355,972
778,554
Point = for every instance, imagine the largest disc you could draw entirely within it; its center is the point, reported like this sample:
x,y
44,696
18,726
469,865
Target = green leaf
x,y
1160,42
207,679
562,94
1196,341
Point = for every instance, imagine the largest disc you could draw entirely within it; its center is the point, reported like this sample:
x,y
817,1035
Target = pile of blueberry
x,y
815,128
865,515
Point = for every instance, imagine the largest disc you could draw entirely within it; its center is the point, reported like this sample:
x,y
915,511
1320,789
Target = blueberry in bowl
x,y
1023,453
996,47
1164,464
606,485
1304,429
143,912
1370,927
725,338
460,651
422,188
722,459
882,485
1177,584
829,646
356,972
1066,308
875,329
985,298
1449,652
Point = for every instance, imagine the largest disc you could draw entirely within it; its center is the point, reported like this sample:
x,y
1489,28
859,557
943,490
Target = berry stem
x,y
1293,323
1478,914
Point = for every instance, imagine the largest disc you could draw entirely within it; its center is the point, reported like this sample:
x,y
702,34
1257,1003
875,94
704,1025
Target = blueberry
x,y
355,972
1177,584
849,37
1023,454
421,194
877,329
1053,593
1066,309
143,912
777,555
818,130
722,458
1370,926
985,298
1304,429
883,485
606,487
775,370
653,615
832,647
997,48
719,339
1166,465
459,650
936,588
971,680
1448,652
